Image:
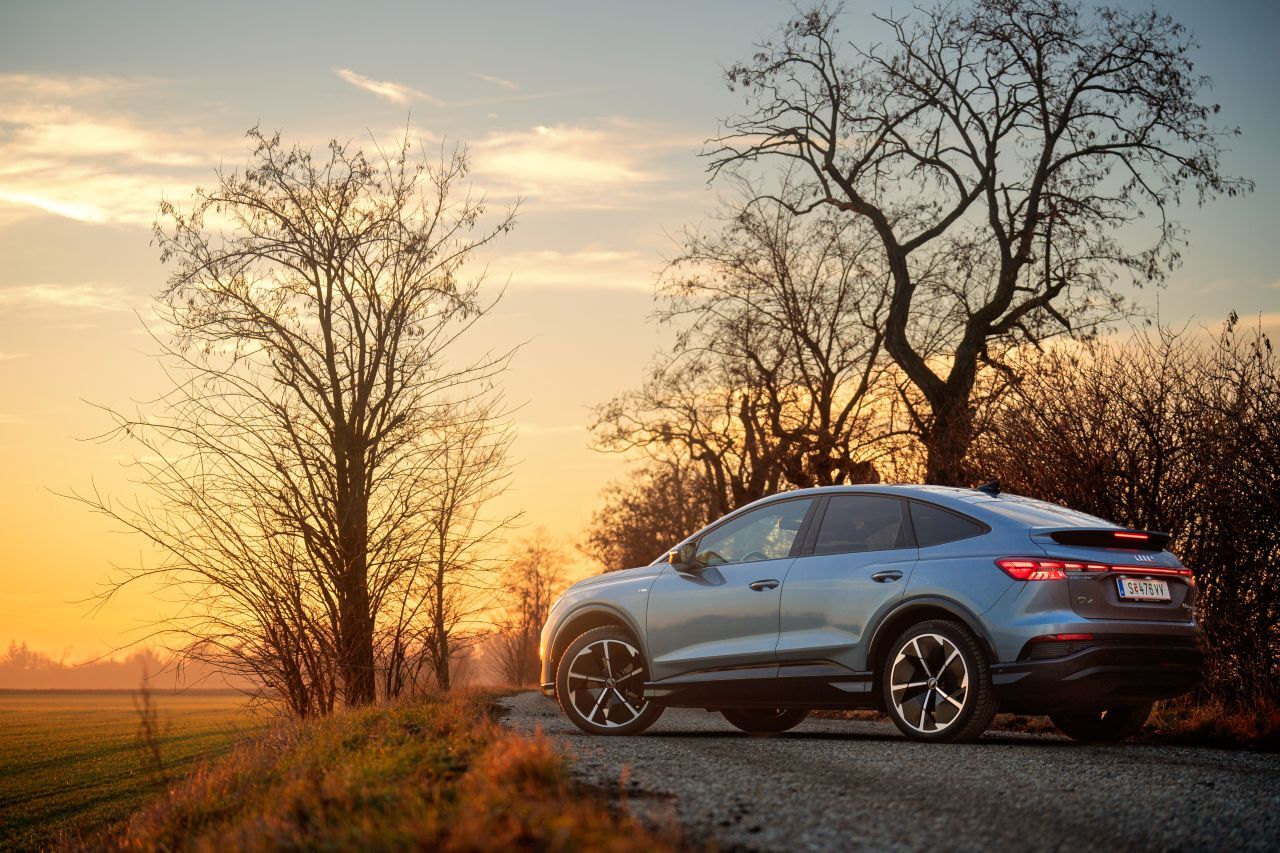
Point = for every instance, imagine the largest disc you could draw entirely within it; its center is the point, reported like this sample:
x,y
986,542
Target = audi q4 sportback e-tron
x,y
937,605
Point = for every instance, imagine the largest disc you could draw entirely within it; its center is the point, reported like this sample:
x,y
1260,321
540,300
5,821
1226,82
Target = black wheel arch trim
x,y
587,609
964,614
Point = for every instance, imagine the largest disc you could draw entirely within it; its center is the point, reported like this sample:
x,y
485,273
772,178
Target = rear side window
x,y
856,523
935,526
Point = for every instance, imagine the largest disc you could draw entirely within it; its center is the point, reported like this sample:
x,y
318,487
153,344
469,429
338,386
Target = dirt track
x,y
830,785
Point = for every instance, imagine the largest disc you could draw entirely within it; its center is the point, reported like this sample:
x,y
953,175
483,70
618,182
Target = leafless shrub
x,y
1168,432
530,582
149,733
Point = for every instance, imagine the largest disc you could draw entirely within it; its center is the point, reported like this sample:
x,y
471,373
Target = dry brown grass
x,y
1211,723
434,773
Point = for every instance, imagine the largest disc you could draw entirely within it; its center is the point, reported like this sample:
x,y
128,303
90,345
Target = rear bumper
x,y
1101,675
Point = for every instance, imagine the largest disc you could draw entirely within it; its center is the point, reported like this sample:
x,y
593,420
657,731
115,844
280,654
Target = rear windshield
x,y
1036,513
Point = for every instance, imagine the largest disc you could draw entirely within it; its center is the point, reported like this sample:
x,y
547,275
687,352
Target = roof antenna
x,y
992,488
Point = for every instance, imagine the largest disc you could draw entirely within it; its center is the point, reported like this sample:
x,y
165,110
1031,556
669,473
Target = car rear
x,y
1097,615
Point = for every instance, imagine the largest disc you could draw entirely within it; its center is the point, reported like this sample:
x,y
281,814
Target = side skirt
x,y
801,684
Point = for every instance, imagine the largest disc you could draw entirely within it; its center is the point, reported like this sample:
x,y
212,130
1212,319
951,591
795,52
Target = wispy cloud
x,y
71,147
68,86
396,93
85,148
10,356
97,296
591,268
500,82
599,165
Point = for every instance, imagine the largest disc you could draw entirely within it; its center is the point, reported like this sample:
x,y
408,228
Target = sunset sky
x,y
593,112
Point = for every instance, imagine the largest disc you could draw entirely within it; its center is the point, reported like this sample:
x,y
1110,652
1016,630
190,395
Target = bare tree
x,y
440,604
462,541
647,512
289,473
1000,150
774,379
530,583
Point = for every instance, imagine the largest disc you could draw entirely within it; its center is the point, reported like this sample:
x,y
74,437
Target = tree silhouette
x,y
1001,150
291,474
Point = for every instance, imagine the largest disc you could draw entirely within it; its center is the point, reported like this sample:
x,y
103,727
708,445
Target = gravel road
x,y
837,785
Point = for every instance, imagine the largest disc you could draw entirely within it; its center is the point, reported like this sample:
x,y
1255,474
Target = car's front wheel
x,y
1105,726
600,684
936,683
765,720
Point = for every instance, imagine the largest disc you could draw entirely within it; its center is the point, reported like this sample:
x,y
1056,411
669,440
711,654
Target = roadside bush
x,y
1170,432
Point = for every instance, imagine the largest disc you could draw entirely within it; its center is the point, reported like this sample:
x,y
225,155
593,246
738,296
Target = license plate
x,y
1135,589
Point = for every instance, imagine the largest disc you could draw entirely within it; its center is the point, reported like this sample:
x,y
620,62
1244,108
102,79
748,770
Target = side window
x,y
935,526
856,523
763,534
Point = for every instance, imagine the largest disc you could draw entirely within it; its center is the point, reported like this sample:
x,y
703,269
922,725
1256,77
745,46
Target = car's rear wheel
x,y
600,684
936,683
1104,726
765,720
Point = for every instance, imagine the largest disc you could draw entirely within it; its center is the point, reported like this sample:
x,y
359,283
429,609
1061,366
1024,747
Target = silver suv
x,y
940,606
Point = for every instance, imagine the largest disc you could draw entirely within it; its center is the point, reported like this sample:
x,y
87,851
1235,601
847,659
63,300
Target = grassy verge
x,y
435,773
71,762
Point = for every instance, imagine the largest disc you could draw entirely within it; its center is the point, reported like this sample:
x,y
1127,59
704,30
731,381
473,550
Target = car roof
x,y
900,489
1007,507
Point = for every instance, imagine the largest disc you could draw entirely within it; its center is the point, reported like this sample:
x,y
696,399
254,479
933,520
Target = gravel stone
x,y
852,785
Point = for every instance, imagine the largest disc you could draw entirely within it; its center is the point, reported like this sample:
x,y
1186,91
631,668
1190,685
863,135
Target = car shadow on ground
x,y
990,739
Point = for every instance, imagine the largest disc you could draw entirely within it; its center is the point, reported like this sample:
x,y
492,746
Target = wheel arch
x,y
583,619
916,610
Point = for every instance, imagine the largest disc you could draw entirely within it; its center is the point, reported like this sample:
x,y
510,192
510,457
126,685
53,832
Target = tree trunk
x,y
442,661
948,440
355,621
439,624
358,677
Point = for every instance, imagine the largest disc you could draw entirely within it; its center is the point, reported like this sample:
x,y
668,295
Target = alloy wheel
x,y
606,683
929,683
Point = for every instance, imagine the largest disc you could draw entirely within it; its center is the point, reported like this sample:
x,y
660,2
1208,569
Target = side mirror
x,y
685,557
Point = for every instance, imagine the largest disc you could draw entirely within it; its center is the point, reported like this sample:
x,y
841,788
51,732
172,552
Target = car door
x,y
859,566
726,614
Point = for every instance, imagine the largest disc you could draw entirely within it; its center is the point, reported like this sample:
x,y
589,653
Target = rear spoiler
x,y
1101,537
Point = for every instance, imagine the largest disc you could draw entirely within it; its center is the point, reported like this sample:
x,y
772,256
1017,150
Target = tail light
x,y
1062,638
1029,569
1048,646
1038,569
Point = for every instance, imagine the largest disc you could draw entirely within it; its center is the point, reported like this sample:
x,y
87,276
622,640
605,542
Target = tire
x,y
936,683
1106,726
765,720
600,683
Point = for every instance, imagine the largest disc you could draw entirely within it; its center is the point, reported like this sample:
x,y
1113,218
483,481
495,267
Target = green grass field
x,y
70,761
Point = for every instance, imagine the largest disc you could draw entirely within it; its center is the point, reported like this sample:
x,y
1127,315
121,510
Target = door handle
x,y
761,586
887,576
